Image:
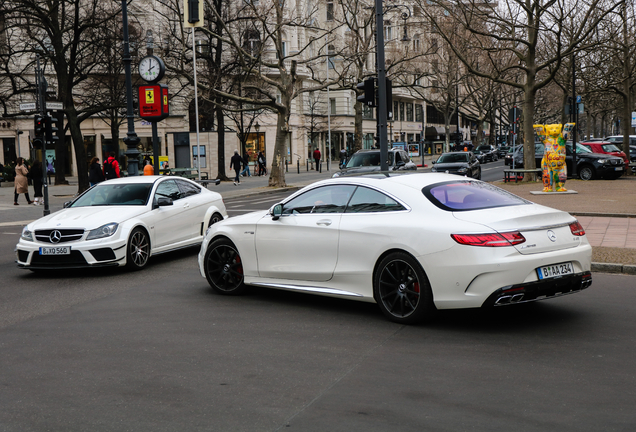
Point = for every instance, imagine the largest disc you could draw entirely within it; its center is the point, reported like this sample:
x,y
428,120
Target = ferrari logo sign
x,y
150,96
153,102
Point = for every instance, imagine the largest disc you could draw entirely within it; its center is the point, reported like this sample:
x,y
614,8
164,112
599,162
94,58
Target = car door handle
x,y
325,222
186,205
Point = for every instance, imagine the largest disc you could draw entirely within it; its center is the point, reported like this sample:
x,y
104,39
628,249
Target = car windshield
x,y
467,195
367,159
484,148
453,158
115,195
610,148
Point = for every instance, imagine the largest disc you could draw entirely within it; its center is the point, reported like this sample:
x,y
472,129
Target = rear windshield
x,y
468,195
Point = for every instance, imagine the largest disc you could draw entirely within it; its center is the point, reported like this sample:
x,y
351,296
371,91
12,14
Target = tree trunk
x,y
277,173
80,151
220,130
357,137
528,130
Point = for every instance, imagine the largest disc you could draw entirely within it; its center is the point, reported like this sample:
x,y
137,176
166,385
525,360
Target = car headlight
x,y
603,161
103,231
433,169
26,234
462,170
336,175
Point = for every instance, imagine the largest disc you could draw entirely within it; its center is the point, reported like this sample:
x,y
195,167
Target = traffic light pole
x,y
381,67
41,88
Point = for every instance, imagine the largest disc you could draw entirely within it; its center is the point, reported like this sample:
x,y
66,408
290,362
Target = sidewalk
x,y
605,208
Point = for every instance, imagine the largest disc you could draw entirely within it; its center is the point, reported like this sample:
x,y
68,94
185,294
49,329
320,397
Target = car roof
x,y
390,180
377,150
137,179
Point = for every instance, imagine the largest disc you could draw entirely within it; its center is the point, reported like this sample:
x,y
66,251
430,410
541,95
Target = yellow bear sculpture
x,y
555,171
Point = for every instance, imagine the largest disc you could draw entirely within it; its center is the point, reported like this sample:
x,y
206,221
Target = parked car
x,y
121,222
489,152
412,243
632,153
481,156
606,148
364,161
502,151
589,165
460,163
618,140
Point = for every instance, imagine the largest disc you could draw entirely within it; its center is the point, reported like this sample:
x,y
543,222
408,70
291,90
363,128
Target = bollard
x,y
307,165
298,166
286,166
317,168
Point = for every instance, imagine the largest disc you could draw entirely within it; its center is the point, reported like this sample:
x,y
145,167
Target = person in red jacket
x,y
111,167
317,158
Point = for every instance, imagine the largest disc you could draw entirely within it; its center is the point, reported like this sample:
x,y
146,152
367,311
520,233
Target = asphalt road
x,y
156,350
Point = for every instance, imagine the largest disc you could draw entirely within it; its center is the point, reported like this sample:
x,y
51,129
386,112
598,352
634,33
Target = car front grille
x,y
55,236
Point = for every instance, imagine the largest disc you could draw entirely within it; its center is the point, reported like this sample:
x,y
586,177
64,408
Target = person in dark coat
x,y
235,163
262,170
95,173
38,178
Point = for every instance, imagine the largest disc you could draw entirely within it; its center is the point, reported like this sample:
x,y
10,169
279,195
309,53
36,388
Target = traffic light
x,y
37,143
38,125
50,129
368,86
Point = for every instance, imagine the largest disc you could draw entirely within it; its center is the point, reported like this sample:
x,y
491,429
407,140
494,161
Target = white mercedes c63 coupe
x,y
411,243
121,222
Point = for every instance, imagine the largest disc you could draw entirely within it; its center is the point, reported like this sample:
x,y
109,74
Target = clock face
x,y
151,69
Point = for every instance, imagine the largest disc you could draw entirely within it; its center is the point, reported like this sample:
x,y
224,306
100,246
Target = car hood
x,y
533,221
597,156
450,165
88,217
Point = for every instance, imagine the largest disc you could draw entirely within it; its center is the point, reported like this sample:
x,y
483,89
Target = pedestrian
x,y
111,167
343,158
38,179
21,181
95,173
262,170
149,169
246,165
317,158
235,162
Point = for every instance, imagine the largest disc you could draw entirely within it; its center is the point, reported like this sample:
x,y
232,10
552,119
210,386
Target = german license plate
x,y
555,270
57,250
619,168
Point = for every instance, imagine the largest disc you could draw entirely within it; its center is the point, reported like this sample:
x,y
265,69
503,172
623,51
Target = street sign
x,y
54,106
27,106
633,118
578,99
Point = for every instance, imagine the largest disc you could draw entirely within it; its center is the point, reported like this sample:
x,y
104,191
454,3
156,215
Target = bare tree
x,y
523,39
65,33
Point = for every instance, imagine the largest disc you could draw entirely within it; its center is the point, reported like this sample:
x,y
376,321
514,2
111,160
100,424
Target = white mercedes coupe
x,y
121,222
412,243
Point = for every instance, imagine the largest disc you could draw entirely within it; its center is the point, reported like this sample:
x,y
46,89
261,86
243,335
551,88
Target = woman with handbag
x,y
21,182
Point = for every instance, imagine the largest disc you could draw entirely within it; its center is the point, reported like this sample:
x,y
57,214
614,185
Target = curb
x,y
614,268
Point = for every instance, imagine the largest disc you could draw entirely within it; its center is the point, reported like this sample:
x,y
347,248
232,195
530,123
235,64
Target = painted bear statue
x,y
555,171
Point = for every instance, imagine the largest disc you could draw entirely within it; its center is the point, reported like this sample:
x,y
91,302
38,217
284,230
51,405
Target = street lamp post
x,y
131,140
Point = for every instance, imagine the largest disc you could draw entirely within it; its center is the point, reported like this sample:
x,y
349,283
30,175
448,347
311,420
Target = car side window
x,y
326,199
187,188
405,157
168,189
367,200
587,146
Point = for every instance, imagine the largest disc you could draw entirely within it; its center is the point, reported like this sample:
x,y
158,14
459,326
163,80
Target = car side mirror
x,y
277,211
162,202
434,162
67,204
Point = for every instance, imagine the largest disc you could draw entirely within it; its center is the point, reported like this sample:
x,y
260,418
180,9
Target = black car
x,y
364,161
503,151
588,165
489,152
460,163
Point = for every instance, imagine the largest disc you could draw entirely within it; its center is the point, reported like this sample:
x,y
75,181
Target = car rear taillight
x,y
490,240
577,229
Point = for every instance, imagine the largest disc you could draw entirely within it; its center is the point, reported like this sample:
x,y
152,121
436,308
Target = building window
x,y
332,106
283,49
402,111
419,113
331,57
388,31
409,112
396,107
367,112
330,16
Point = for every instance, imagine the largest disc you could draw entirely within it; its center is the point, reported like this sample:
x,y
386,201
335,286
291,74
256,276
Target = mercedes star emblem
x,y
551,235
55,236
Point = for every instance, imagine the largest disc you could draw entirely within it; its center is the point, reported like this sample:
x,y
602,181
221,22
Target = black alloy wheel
x,y
402,290
223,268
586,172
138,250
216,217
